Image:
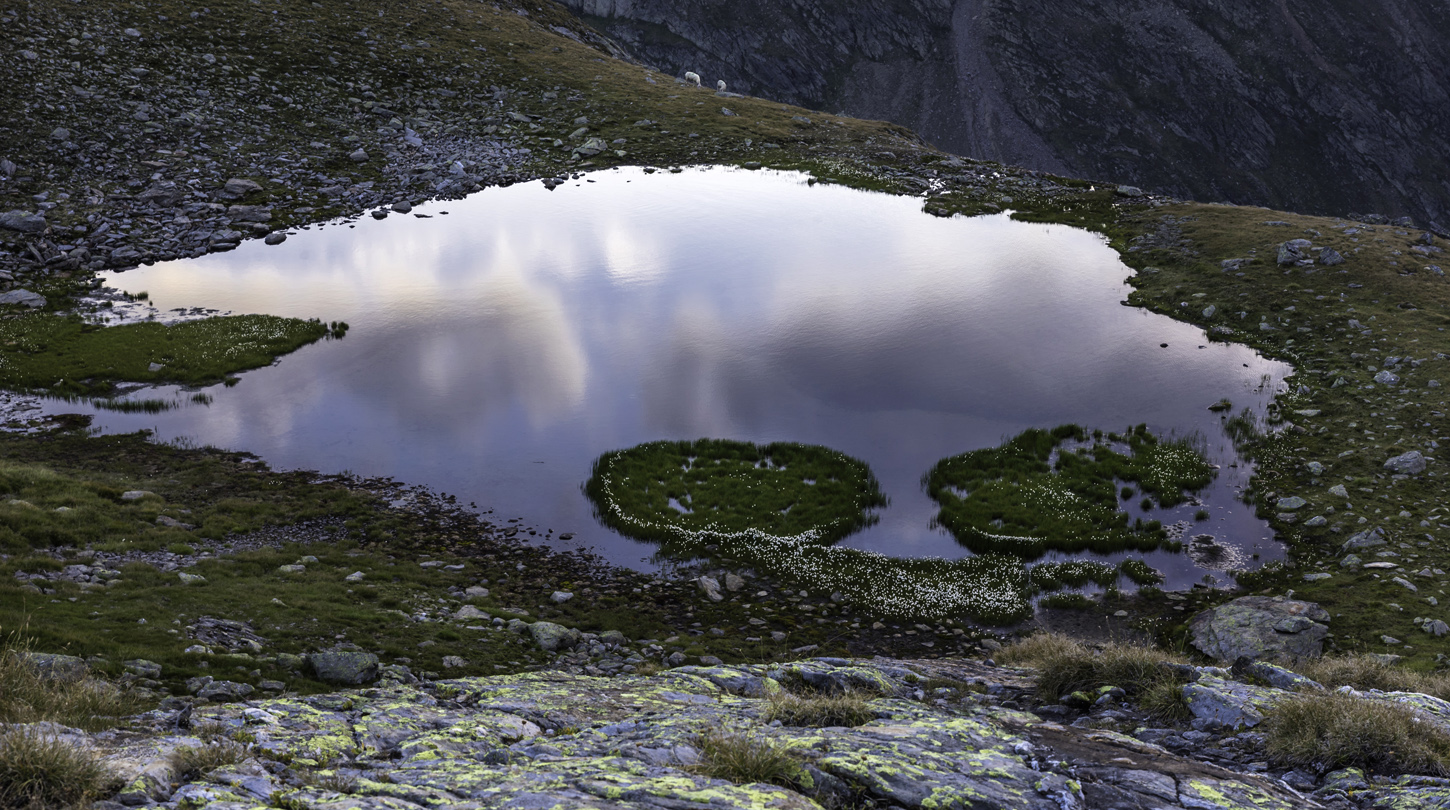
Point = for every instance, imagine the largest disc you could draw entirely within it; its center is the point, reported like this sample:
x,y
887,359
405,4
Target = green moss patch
x,y
68,356
1056,490
807,492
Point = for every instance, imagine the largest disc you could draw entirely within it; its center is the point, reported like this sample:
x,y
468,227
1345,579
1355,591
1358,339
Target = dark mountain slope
x,y
1323,106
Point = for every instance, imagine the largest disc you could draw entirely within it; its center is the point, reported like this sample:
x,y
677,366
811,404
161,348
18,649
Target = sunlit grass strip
x,y
991,587
804,491
64,355
1037,493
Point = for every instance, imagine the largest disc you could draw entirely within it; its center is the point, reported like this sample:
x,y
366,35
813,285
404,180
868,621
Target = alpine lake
x,y
888,397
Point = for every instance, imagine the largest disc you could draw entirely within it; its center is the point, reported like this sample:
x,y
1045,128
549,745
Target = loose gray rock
x,y
344,668
1260,627
1330,257
136,494
1387,377
359,156
224,691
23,298
237,188
1411,463
1292,251
1291,503
1365,539
23,222
711,588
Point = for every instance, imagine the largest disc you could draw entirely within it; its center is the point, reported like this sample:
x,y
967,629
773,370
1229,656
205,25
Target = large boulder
x,y
23,222
551,637
344,668
1260,627
53,667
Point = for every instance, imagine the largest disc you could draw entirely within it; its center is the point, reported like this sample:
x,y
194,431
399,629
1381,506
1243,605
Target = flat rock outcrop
x,y
938,739
1260,627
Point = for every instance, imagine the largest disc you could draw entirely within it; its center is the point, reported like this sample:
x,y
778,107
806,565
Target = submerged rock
x,y
1260,627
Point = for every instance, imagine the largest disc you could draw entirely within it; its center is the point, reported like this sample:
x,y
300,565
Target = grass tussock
x,y
1328,731
819,711
1367,672
745,759
39,771
1065,666
191,761
27,696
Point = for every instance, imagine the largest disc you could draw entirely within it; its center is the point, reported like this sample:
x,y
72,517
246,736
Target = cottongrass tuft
x,y
1327,731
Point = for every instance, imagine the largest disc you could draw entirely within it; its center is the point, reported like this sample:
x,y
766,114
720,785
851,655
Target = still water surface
x,y
497,350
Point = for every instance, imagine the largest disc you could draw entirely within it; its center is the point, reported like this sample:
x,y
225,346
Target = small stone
x,y
356,576
453,662
358,156
1437,628
1386,378
1339,491
1404,583
191,579
1389,640
560,597
476,592
1291,503
291,569
136,494
470,612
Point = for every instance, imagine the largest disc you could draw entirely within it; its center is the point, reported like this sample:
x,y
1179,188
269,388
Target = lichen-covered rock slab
x,y
1260,627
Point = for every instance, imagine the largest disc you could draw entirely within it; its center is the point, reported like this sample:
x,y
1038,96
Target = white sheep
x,y
691,76
720,86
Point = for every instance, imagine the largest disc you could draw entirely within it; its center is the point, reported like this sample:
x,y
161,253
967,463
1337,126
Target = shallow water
x,y
496,351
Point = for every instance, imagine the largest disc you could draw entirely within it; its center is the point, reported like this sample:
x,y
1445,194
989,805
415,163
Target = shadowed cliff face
x,y
1320,106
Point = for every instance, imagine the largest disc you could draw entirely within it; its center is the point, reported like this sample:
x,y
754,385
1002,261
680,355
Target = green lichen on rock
x,y
1055,490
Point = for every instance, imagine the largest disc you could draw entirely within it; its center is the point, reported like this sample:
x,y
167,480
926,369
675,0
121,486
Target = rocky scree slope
x,y
1318,107
936,734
